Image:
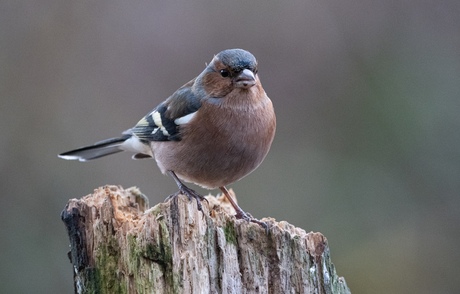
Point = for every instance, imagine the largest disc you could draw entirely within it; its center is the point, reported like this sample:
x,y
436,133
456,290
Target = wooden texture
x,y
119,245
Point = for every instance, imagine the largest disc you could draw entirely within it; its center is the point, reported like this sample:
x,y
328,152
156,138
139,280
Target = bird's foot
x,y
191,194
240,214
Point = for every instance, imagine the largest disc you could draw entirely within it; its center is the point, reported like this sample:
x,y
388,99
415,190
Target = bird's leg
x,y
240,214
183,189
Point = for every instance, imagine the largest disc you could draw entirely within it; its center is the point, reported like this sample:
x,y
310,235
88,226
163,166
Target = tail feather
x,y
99,149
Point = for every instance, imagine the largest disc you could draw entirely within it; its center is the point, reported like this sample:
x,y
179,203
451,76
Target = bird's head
x,y
229,70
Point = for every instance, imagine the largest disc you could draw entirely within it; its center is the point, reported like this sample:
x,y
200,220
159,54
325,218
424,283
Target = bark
x,y
119,245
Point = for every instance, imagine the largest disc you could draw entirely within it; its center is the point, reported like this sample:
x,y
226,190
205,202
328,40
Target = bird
x,y
212,131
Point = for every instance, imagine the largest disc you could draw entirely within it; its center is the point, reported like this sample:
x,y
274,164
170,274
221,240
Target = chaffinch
x,y
212,131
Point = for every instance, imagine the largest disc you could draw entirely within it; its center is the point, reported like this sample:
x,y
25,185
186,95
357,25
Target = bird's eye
x,y
225,73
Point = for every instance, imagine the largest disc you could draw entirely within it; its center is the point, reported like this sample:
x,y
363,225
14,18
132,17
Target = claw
x,y
240,214
190,193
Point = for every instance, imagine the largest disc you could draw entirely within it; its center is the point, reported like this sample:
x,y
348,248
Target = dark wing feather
x,y
159,124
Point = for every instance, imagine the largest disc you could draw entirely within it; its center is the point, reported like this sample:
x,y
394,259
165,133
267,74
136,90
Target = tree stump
x,y
119,245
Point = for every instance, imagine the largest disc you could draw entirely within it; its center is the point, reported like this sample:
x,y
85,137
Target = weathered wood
x,y
118,245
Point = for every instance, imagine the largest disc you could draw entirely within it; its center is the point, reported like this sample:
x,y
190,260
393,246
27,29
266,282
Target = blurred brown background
x,y
367,147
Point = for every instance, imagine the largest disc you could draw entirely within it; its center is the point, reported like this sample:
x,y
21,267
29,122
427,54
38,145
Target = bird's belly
x,y
211,163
